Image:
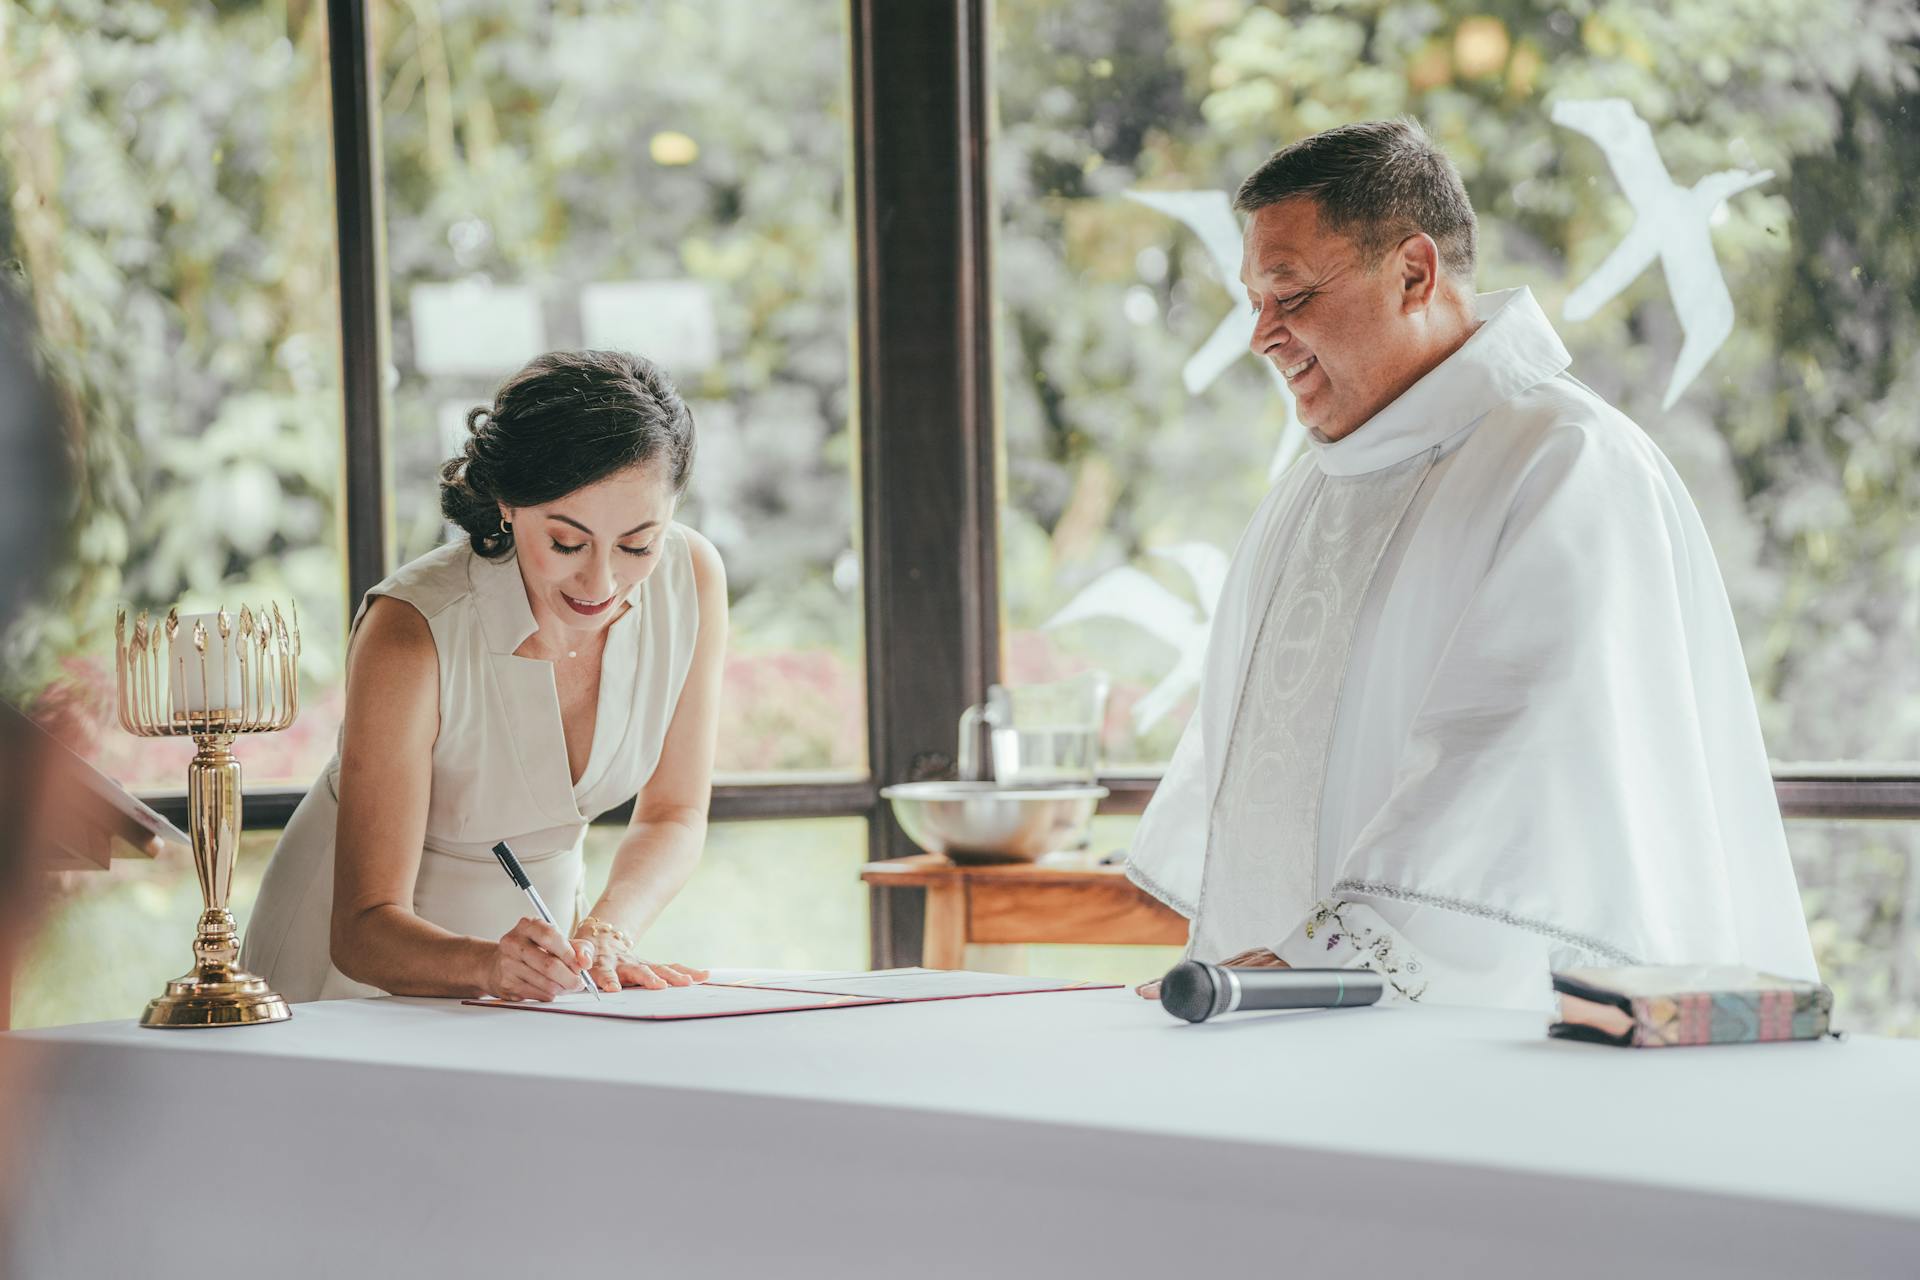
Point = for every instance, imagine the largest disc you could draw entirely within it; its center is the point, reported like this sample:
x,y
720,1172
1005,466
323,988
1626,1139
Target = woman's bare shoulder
x,y
393,649
709,572
394,629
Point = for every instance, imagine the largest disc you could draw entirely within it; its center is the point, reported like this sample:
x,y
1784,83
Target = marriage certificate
x,y
791,993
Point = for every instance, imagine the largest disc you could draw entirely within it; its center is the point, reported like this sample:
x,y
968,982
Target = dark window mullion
x,y
269,808
849,797
363,295
1837,793
1892,797
926,459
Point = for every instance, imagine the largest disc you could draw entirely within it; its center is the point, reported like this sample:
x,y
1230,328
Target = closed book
x,y
1655,1006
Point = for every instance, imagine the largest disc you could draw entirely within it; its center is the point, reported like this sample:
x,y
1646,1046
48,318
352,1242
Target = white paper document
x,y
913,984
789,993
701,1001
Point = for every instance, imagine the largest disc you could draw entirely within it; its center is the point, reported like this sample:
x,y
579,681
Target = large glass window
x,y
1860,882
668,179
1130,464
171,230
1139,434
773,895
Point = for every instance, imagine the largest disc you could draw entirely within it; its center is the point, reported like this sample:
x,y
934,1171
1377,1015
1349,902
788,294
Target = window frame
x,y
928,433
927,517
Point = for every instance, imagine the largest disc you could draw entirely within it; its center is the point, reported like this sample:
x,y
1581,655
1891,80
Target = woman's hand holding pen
x,y
527,963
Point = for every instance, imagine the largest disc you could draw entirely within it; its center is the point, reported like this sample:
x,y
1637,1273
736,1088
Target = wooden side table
x,y
1011,902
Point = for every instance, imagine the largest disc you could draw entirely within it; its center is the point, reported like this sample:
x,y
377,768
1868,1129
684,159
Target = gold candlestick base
x,y
216,992
208,1000
252,686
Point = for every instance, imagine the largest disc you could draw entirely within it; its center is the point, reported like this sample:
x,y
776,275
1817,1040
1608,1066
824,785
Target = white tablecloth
x,y
1069,1134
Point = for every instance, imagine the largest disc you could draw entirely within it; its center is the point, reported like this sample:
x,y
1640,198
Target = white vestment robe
x,y
1475,708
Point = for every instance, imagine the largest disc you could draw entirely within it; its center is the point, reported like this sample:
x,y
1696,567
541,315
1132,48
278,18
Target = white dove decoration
x,y
1209,215
1131,596
1670,222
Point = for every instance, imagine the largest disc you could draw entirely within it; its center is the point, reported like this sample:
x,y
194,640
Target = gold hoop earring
x,y
506,527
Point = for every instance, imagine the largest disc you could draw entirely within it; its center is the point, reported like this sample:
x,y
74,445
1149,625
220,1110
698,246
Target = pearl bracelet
x,y
594,929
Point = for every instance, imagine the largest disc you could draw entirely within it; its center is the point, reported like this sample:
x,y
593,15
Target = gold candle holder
x,y
168,688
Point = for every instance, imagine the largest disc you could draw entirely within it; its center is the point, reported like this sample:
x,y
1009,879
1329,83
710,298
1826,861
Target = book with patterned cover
x,y
1652,1006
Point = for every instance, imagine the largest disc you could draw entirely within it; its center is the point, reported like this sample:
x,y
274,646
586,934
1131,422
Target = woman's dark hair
x,y
567,420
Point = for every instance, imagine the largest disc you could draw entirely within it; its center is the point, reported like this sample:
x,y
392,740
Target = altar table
x,y
1066,1134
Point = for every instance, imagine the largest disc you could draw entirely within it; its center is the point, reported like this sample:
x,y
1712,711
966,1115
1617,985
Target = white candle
x,y
212,685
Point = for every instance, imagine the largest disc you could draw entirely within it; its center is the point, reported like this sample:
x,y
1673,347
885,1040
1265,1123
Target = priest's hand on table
x,y
615,966
534,961
1258,958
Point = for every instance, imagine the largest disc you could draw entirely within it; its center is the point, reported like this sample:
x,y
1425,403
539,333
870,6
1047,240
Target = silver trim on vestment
x,y
1611,954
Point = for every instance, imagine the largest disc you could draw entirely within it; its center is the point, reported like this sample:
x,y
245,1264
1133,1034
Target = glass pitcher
x,y
1038,734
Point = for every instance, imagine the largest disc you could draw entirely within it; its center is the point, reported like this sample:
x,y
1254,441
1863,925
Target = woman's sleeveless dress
x,y
500,768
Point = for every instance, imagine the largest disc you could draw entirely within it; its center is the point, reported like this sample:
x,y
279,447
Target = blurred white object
x,y
210,681
1131,596
472,327
1209,215
670,322
1671,222
451,420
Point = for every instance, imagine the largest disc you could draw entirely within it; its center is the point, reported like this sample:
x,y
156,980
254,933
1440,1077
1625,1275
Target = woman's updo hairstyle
x,y
567,420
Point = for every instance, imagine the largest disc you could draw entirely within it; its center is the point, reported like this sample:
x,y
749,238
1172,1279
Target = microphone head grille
x,y
1187,991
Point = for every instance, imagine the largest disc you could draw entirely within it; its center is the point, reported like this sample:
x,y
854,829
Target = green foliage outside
x,y
171,226
1799,441
697,142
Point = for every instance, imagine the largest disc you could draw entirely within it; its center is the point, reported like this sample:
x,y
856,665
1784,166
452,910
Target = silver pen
x,y
512,865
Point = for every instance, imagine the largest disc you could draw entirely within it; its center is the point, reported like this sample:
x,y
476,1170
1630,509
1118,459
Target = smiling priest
x,y
1474,705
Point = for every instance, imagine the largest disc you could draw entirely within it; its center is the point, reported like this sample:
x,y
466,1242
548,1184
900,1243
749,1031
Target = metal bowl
x,y
986,822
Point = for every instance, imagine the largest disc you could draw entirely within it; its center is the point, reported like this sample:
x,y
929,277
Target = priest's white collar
x,y
1513,349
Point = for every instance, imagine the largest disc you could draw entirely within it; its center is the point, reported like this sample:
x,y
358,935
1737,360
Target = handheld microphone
x,y
1196,991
